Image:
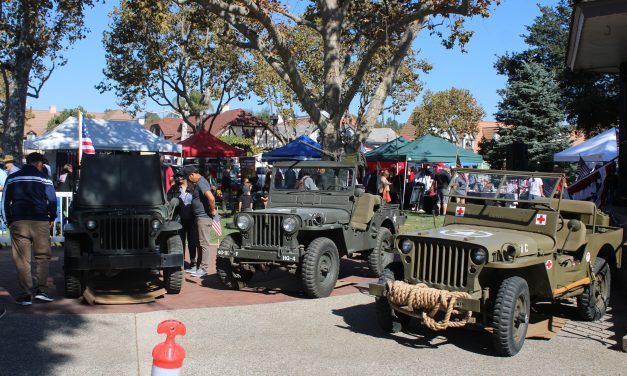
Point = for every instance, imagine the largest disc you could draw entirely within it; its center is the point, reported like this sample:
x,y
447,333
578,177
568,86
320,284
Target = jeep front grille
x,y
124,233
441,265
267,231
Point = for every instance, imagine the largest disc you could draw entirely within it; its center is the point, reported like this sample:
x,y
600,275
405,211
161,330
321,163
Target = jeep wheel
x,y
389,320
74,285
379,257
173,280
321,266
511,316
593,303
231,278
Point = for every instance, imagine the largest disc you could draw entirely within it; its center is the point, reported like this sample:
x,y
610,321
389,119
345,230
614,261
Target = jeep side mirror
x,y
574,225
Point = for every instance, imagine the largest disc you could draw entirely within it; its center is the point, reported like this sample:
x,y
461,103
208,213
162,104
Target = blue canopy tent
x,y
294,151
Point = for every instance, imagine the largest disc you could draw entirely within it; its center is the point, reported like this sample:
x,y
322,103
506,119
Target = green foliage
x,y
452,112
151,118
175,56
243,143
394,124
63,115
531,107
590,98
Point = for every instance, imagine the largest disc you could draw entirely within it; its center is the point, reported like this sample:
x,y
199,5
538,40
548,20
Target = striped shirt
x,y
29,195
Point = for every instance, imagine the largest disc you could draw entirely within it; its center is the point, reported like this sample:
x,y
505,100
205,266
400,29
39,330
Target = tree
x,y
450,113
151,118
590,98
531,109
352,36
35,34
63,115
173,56
394,124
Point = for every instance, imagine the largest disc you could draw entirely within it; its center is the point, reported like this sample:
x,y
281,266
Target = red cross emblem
x,y
541,219
549,264
459,211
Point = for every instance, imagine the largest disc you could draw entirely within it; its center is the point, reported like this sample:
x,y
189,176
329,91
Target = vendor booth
x,y
294,151
430,149
109,135
600,148
205,145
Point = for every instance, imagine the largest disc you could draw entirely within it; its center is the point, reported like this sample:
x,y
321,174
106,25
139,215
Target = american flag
x,y
86,145
216,224
582,169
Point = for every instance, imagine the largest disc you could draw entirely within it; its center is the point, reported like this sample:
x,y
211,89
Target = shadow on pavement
x,y
26,345
362,319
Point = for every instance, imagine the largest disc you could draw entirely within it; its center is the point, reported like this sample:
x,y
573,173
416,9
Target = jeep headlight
x,y
91,224
406,246
155,224
290,224
479,256
244,222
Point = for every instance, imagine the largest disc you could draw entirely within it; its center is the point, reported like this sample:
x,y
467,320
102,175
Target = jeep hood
x,y
330,215
492,238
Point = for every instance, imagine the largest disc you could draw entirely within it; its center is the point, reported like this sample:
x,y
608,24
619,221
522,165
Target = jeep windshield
x,y
508,187
320,179
120,180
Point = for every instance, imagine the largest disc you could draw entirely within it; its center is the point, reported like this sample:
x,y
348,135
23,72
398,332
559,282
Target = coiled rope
x,y
429,301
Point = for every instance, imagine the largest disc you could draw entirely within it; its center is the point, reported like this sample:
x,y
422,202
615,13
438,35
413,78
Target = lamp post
x,y
274,118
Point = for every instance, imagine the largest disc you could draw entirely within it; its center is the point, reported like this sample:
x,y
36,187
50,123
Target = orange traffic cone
x,y
168,356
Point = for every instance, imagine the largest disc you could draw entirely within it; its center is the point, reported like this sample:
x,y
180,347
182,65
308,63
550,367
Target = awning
x,y
600,148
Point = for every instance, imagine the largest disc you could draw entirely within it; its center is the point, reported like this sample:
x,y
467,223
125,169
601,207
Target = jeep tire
x,y
173,277
321,266
389,320
379,257
74,280
593,302
231,278
511,316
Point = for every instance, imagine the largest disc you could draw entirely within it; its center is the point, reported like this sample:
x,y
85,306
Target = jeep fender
x,y
170,226
534,273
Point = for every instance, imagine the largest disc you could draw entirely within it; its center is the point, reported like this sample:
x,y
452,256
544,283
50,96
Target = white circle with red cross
x,y
549,264
541,219
466,233
460,211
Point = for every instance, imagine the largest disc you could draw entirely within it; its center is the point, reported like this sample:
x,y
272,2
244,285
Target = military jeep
x,y
315,215
119,220
500,250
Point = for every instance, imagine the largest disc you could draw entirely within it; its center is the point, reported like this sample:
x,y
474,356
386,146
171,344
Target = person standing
x,y
536,188
29,209
442,181
384,186
65,183
184,192
167,174
9,165
204,208
225,185
246,199
3,176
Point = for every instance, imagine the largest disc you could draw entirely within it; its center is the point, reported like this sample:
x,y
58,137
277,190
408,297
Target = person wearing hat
x,y
9,165
204,208
183,191
29,207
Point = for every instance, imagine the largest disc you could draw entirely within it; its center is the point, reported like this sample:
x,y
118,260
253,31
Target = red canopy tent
x,y
204,144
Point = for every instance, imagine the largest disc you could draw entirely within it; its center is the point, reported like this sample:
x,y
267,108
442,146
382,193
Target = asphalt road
x,y
333,336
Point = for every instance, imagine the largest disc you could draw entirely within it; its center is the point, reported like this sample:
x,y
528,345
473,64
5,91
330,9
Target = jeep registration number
x,y
288,258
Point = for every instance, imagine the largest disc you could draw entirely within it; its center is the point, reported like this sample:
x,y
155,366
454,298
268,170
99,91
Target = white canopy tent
x,y
110,135
600,148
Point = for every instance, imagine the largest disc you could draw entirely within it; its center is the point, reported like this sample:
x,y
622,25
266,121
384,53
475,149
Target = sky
x,y
74,84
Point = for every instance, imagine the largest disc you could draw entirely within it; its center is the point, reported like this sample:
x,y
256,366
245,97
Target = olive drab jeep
x,y
119,220
505,245
316,214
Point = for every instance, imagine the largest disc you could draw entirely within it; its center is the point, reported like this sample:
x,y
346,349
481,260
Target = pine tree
x,y
530,107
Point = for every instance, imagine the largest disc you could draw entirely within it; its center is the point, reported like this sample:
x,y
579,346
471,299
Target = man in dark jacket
x,y
29,209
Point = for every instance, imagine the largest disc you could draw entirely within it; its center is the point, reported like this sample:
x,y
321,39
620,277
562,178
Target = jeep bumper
x,y
380,290
286,255
117,262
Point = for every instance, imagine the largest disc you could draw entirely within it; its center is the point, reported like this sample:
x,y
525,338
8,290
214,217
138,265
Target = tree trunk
x,y
331,140
14,115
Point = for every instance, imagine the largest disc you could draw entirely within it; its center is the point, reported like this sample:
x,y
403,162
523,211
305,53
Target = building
x,y
37,120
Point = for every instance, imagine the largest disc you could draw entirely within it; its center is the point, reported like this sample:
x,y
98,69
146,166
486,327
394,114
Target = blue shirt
x,y
29,195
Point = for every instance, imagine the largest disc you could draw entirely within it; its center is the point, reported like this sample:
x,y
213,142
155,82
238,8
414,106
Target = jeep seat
x,y
575,209
573,242
363,211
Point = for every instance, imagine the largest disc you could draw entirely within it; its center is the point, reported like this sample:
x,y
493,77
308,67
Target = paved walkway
x,y
230,334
